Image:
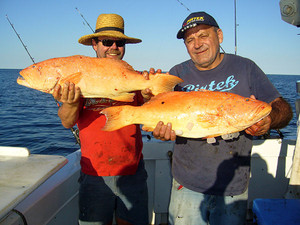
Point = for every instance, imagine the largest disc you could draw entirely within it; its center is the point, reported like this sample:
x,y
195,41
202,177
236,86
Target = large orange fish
x,y
194,114
102,78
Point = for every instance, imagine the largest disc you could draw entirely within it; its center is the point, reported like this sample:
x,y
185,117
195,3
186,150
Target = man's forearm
x,y
68,114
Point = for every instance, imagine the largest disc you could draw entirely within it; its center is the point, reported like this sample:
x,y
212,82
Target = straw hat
x,y
108,25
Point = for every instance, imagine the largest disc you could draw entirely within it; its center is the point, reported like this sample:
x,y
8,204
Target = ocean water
x,y
28,118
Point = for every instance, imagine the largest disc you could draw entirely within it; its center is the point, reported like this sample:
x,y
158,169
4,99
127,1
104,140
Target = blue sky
x,y
51,28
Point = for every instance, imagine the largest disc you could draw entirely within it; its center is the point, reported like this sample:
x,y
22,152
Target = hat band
x,y
109,28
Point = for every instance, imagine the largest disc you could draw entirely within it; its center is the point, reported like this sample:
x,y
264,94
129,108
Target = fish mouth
x,y
22,81
263,110
25,80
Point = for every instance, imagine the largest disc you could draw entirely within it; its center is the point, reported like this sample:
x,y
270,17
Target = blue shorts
x,y
126,196
194,208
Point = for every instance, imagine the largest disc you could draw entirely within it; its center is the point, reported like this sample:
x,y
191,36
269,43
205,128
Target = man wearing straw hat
x,y
113,177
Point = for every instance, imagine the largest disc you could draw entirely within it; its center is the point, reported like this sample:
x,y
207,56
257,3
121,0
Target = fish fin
x,y
230,136
126,97
117,117
190,126
147,128
211,140
179,132
74,78
163,82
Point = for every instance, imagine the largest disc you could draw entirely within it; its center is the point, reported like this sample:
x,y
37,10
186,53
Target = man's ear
x,y
220,35
94,44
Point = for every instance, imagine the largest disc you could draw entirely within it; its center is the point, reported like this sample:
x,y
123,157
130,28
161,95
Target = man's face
x,y
203,45
103,50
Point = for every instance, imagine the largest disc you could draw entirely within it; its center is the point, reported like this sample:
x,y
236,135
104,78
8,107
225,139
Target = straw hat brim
x,y
87,39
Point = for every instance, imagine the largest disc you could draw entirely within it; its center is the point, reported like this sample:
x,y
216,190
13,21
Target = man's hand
x,y
68,94
147,94
261,127
164,132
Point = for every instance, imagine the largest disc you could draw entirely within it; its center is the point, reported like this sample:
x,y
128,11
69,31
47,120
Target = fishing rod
x,y
75,132
84,19
20,39
184,5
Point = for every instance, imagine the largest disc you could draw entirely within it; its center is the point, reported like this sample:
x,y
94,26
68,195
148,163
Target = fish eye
x,y
33,66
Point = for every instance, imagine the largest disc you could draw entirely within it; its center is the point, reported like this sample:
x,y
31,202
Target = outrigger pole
x,y
75,132
235,27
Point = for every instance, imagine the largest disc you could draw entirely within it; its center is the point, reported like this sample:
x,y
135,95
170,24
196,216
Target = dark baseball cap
x,y
194,19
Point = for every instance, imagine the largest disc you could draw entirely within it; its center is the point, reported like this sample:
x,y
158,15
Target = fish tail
x,y
118,117
161,83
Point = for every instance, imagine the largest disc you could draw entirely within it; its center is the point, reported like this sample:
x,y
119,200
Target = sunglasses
x,y
108,42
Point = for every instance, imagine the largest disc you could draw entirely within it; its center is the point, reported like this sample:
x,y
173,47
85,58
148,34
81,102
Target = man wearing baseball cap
x,y
113,177
210,184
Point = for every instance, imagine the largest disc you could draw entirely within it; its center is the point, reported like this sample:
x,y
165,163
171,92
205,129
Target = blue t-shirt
x,y
222,168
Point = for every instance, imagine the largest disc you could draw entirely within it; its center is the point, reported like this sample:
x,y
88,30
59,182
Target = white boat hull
x,y
55,202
